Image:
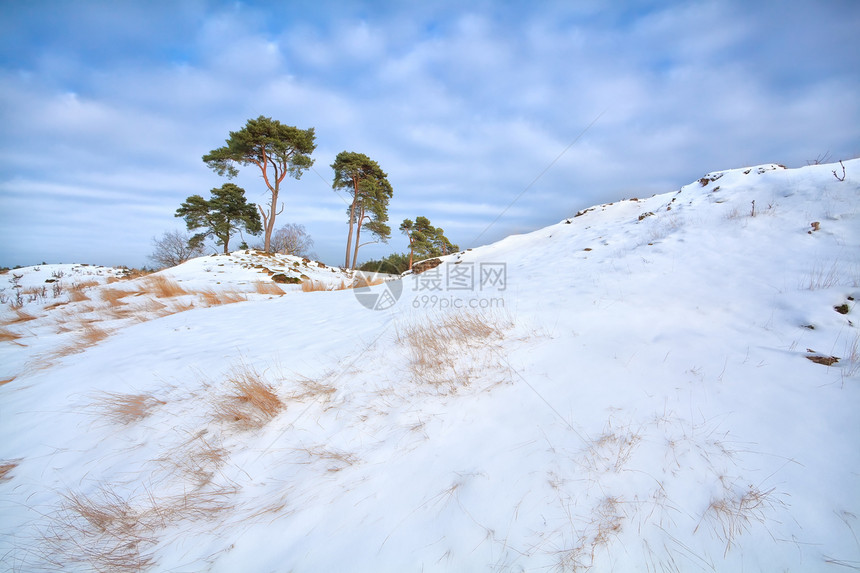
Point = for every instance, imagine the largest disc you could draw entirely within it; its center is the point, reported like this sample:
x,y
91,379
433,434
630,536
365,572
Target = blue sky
x,y
107,107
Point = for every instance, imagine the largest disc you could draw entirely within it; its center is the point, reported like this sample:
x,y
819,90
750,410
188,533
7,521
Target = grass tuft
x,y
163,287
125,408
735,512
261,287
113,296
448,352
211,298
6,467
21,316
252,401
8,335
111,533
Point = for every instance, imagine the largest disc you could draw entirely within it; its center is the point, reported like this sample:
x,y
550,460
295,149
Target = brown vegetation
x,y
125,408
6,467
252,401
162,287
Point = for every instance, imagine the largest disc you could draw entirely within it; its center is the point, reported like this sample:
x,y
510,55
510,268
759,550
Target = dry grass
x,y
77,294
317,286
211,298
90,336
104,531
162,287
261,287
8,335
448,352
113,297
178,307
125,408
336,460
21,316
196,460
310,388
252,401
733,514
364,281
111,533
6,380
852,357
612,450
358,282
6,467
93,335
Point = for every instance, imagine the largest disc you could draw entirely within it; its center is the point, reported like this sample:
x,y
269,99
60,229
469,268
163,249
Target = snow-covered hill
x,y
651,385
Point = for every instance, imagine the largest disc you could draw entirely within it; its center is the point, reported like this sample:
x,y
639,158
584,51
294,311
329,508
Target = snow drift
x,y
659,384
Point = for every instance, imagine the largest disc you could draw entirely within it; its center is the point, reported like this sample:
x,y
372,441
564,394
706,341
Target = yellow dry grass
x,y
113,297
8,335
77,294
162,287
21,316
6,467
251,402
90,335
449,351
125,408
316,286
212,298
110,532
181,307
6,380
261,287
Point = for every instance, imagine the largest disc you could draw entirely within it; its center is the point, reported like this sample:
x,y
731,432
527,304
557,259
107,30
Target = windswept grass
x,y
21,316
318,286
261,287
195,460
6,467
90,335
251,401
113,297
212,298
358,282
162,287
734,513
77,291
125,408
450,351
8,335
110,532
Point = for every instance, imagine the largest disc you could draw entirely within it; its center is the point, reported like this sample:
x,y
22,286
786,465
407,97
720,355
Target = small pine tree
x,y
219,217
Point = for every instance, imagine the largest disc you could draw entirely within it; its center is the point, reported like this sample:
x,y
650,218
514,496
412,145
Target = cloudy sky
x,y
490,118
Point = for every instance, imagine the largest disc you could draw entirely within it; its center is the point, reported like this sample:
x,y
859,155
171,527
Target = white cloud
x,y
463,109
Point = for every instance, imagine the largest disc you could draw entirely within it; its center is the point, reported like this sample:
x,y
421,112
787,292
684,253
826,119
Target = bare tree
x,y
174,248
292,239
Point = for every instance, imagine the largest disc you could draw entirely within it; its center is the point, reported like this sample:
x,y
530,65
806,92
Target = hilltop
x,y
665,383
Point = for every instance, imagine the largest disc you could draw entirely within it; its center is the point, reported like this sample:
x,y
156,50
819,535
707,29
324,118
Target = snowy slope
x,y
628,390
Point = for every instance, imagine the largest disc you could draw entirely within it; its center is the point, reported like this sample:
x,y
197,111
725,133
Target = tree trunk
x,y
351,221
357,235
270,221
410,253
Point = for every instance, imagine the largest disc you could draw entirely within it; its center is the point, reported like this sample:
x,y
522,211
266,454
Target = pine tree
x,y
226,212
371,191
277,150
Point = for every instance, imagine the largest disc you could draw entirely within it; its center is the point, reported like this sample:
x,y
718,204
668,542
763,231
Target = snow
x,y
640,400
